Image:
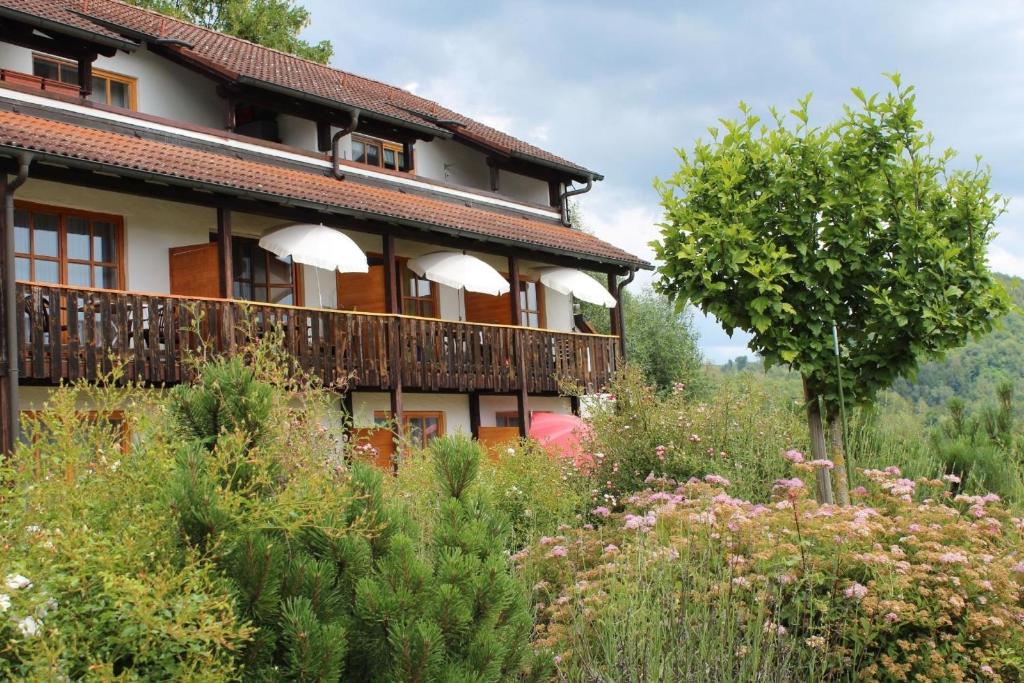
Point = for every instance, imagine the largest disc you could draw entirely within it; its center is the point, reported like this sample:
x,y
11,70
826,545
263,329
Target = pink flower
x,y
1018,568
611,549
856,591
821,464
794,456
558,551
953,558
716,479
601,511
859,491
951,478
546,540
791,487
892,617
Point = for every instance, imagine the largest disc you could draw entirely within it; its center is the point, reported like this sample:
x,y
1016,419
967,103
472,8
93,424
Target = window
x,y
378,153
420,427
261,276
531,304
68,247
419,296
506,418
107,87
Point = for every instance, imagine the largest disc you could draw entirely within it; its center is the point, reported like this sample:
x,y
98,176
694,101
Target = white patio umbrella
x,y
317,245
460,271
577,284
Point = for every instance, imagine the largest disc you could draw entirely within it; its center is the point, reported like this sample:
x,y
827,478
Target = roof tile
x,y
168,160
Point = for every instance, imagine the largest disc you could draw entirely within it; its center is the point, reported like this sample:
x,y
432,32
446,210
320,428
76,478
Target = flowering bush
x,y
888,588
737,432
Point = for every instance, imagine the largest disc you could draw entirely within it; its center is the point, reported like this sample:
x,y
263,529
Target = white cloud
x,y
411,86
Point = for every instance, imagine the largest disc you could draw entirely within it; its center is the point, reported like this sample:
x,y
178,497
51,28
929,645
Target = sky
x,y
619,86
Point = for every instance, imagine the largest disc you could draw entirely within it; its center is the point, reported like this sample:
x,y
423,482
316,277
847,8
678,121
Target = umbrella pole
x,y
319,296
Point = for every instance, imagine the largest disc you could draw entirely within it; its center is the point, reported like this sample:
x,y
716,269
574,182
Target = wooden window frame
x,y
540,311
507,415
130,82
385,415
62,259
298,291
383,145
402,264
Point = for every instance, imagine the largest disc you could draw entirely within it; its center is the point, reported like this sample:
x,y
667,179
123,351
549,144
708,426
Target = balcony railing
x,y
68,333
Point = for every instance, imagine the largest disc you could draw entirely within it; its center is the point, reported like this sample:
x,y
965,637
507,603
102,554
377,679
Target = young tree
x,y
661,341
273,23
786,232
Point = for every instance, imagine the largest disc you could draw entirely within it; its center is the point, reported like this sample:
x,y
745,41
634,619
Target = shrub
x,y
886,589
103,592
738,431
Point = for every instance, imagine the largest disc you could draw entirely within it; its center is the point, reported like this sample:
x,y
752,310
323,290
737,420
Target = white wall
x,y
452,163
523,188
454,406
151,227
491,405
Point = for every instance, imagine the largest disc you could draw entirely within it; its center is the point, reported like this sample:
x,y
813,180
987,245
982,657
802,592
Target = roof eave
x,y
44,24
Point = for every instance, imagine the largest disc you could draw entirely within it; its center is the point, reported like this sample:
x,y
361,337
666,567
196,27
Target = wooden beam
x,y
555,193
514,296
227,285
474,414
391,305
85,75
615,314
495,174
323,136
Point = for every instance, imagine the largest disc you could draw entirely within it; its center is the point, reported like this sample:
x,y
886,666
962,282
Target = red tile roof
x,y
170,162
238,59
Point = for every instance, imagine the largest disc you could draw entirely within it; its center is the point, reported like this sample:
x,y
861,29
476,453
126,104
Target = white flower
x,y
29,627
17,581
5,602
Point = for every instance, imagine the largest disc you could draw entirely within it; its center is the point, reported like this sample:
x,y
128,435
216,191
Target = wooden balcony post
x,y
522,395
395,340
224,250
85,75
474,414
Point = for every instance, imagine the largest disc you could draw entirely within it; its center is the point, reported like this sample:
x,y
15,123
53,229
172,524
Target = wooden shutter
x,y
484,308
195,270
381,439
362,291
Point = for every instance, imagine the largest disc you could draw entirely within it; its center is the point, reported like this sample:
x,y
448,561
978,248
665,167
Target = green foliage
x,y
112,597
661,341
782,231
973,373
739,430
273,23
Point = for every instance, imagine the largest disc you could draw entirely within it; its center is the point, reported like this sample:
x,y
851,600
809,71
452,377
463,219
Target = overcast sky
x,y
618,86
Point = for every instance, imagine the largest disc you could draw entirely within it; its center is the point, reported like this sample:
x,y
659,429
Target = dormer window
x,y
107,86
379,153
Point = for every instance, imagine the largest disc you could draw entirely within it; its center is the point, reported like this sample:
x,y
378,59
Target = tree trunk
x,y
835,428
823,490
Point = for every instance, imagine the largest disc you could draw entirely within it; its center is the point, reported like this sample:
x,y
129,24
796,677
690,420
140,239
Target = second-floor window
x,y
261,276
419,296
378,153
107,87
68,247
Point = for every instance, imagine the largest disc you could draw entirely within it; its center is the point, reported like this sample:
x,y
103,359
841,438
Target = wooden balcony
x,y
68,333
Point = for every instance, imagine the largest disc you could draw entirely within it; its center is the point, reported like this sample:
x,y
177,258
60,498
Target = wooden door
x,y
484,308
362,291
195,270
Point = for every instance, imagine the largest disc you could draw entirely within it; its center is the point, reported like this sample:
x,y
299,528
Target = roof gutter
x,y
10,297
563,200
336,144
213,188
67,30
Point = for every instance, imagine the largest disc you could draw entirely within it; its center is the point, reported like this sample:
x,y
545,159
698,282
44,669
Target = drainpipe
x,y
563,198
10,297
336,141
